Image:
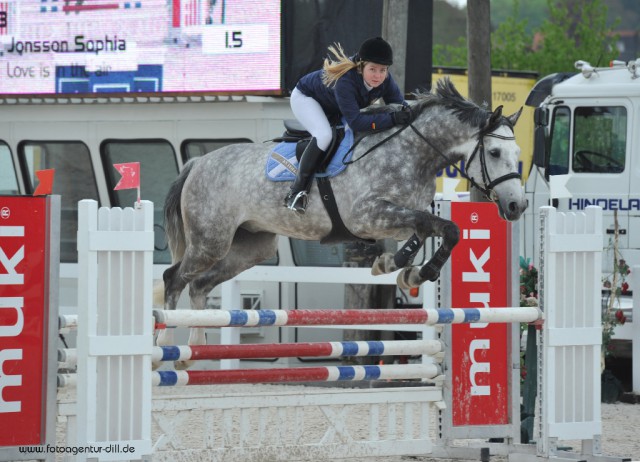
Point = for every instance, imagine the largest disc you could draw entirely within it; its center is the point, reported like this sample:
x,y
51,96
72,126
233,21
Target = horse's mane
x,y
447,95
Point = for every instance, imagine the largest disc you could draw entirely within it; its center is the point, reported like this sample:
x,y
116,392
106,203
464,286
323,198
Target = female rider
x,y
341,88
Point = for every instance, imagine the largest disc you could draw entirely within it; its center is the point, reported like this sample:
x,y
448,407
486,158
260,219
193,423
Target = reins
x,y
489,184
380,143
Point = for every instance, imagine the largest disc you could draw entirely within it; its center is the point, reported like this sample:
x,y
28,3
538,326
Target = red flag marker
x,y
130,176
45,177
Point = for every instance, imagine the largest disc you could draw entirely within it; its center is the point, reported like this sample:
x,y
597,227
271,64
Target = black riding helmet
x,y
376,50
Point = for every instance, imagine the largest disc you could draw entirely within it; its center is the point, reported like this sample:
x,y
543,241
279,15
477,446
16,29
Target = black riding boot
x,y
297,197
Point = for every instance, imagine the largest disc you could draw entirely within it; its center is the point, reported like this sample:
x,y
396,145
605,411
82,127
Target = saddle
x,y
296,133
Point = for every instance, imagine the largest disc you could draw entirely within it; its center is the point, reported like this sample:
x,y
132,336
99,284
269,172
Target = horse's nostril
x,y
513,206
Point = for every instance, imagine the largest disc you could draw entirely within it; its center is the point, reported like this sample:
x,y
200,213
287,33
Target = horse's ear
x,y
513,118
494,118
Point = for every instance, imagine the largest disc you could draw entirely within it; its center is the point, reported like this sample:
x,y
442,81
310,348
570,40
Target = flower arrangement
x,y
617,285
528,297
528,283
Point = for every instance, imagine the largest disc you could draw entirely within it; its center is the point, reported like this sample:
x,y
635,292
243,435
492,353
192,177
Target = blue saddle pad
x,y
282,164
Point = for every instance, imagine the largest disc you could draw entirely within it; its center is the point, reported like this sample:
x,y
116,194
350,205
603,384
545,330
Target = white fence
x,y
114,392
570,342
115,260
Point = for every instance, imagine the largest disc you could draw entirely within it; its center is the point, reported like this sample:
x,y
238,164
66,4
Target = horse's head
x,y
493,165
484,139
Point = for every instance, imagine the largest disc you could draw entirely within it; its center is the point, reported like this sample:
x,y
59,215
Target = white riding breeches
x,y
310,114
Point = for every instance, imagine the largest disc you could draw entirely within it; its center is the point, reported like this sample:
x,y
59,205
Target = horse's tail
x,y
174,226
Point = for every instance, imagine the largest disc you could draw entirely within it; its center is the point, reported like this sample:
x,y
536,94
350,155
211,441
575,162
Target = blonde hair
x,y
335,68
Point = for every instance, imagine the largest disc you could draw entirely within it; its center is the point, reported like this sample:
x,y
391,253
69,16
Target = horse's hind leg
x,y
247,250
165,336
175,278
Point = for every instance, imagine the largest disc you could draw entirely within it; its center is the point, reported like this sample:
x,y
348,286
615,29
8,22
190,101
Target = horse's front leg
x,y
450,234
388,262
390,217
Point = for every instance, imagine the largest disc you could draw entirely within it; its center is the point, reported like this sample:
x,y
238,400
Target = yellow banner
x,y
511,91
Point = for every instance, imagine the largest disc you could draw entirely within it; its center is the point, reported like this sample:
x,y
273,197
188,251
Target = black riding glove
x,y
403,116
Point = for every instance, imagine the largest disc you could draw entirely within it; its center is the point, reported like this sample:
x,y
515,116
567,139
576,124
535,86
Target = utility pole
x,y
479,60
395,18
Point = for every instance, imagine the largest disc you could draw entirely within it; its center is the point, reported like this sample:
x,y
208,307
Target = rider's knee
x,y
323,138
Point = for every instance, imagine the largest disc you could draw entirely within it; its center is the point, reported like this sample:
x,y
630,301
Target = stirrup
x,y
301,207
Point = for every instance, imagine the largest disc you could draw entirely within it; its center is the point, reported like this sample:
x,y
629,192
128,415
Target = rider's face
x,y
374,74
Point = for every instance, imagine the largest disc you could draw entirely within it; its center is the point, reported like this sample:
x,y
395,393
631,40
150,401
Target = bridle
x,y
487,183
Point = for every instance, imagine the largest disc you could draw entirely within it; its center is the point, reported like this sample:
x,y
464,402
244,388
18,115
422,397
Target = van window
x,y
312,253
600,139
74,180
8,179
158,169
559,142
198,148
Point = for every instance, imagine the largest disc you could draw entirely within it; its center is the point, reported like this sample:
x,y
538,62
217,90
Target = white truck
x,y
586,127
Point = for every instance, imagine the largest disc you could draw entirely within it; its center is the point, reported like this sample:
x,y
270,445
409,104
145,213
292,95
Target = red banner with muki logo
x,y
24,295
480,353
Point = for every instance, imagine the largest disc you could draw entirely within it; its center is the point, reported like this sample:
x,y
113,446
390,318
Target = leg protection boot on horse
x,y
297,197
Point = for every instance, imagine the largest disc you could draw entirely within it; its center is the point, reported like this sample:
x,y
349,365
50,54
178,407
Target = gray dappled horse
x,y
223,216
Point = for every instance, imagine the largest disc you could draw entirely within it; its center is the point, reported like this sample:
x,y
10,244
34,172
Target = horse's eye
x,y
495,153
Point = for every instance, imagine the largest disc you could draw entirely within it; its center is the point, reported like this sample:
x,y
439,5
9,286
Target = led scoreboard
x,y
139,46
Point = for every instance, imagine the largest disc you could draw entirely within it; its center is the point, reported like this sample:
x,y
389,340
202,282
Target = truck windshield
x,y
599,139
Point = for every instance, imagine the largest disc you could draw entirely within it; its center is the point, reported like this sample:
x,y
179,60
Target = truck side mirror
x,y
539,137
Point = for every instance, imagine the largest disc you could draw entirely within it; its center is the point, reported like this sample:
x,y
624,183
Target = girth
x,y
339,232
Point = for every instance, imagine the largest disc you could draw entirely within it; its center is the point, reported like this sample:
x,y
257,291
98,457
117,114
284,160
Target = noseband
x,y
488,183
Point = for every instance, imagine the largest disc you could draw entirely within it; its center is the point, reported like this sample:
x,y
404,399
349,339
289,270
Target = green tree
x,y
511,44
568,37
534,11
562,39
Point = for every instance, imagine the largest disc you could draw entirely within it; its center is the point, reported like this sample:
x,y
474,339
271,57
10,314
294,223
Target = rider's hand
x,y
403,116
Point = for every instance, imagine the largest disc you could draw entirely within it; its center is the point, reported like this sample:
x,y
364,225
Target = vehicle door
x,y
590,140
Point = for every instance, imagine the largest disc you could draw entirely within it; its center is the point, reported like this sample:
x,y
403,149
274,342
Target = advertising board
x,y
28,301
480,353
63,47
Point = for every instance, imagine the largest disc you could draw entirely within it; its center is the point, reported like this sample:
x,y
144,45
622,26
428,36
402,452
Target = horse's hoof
x,y
378,267
403,279
383,264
